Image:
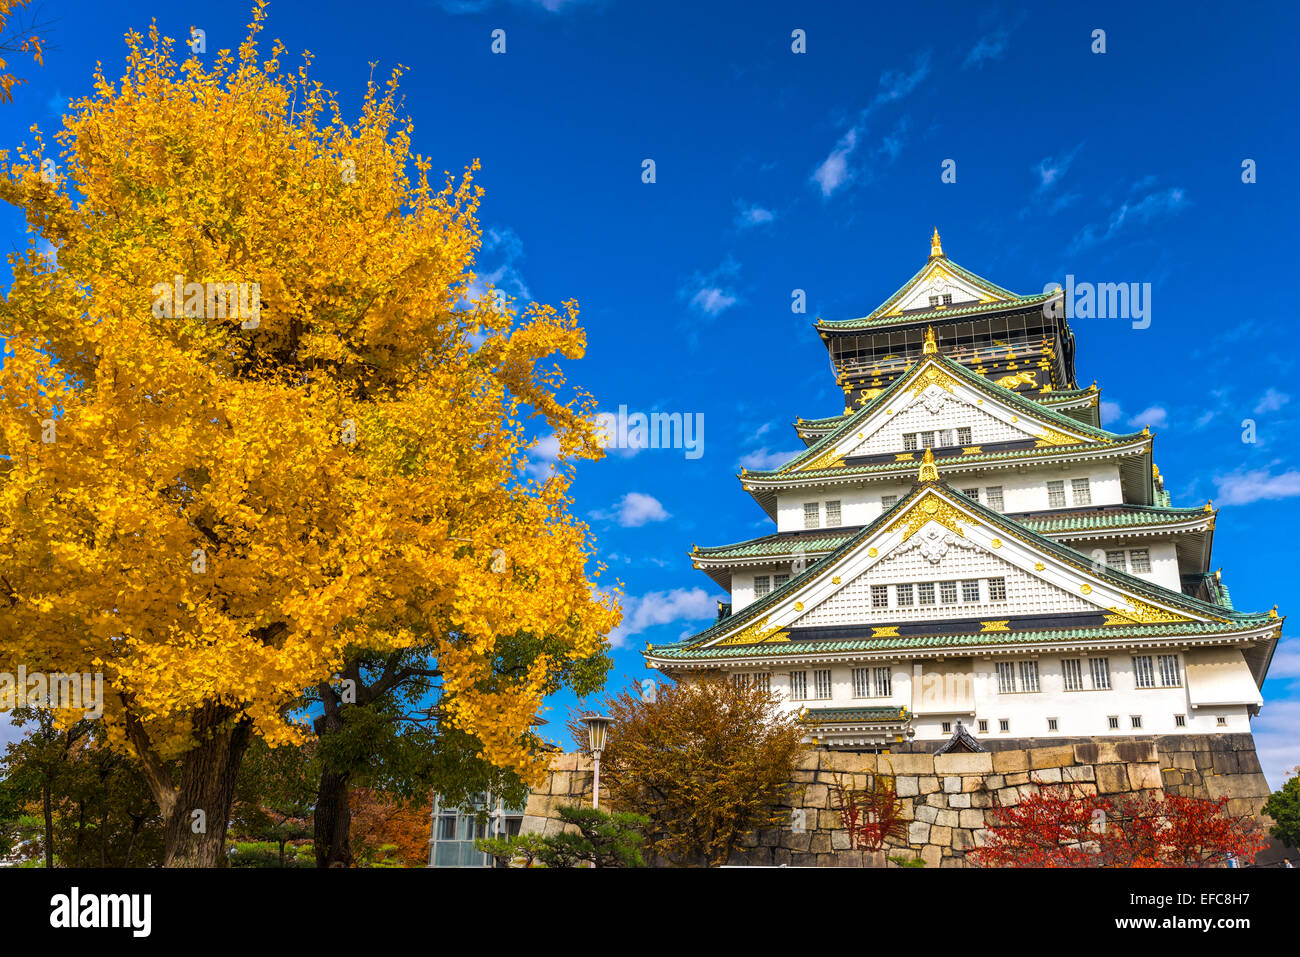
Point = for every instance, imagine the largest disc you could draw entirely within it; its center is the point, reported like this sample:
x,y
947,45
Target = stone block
x,y
1225,762
937,799
1008,796
1046,776
781,857
848,763
796,842
1137,752
963,763
1081,772
803,859
840,840
908,785
948,818
1111,778
981,799
908,764
951,784
1017,779
816,795
995,781
809,760
941,836
1107,753
1004,761
1144,776
928,784
931,855
963,839
1057,757
821,843
971,818
918,832
1086,753
959,800
970,785
927,814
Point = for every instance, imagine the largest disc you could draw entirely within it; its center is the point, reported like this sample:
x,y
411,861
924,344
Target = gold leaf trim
x,y
931,508
885,631
1142,613
995,625
756,633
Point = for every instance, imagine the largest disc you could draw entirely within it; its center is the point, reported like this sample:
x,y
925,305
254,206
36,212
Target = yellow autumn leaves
x,y
226,513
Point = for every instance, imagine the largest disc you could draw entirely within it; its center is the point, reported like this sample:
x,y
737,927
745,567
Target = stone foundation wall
x,y
946,797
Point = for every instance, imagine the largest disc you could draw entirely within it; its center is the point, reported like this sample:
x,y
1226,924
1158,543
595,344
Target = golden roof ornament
x,y
931,347
929,471
936,248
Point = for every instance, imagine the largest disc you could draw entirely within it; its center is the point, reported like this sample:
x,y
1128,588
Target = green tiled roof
x,y
1044,398
933,315
827,442
688,650
1130,583
1047,523
854,715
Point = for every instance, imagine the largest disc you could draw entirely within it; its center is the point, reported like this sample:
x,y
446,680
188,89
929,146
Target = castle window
x,y
1140,559
971,493
993,497
779,580
822,683
740,680
984,725
947,727
762,585
1072,668
1136,720
1143,674
947,299
1100,668
832,514
798,685
811,515
883,678
1029,676
1170,675
945,439
1113,722
1115,560
925,593
879,596
1221,721
970,590
1180,721
1056,495
1006,677
887,502
905,595
963,435
997,589
909,441
1082,491
1004,724
948,592
862,682
934,302
1052,724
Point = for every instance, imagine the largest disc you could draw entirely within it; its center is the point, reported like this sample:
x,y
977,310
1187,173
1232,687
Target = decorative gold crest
x,y
755,633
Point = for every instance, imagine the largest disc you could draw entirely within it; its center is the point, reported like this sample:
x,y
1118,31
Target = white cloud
x,y
543,457
1271,401
1110,412
763,459
502,246
1162,203
636,509
713,300
661,608
834,171
711,293
1155,416
989,47
751,214
1243,487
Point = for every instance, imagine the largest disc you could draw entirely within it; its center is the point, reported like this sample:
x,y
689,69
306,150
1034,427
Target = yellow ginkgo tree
x,y
254,422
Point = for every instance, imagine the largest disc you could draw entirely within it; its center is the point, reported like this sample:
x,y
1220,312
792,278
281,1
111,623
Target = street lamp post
x,y
597,726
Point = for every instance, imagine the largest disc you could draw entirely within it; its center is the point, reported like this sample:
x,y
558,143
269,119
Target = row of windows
x,y
942,300
938,439
1158,671
766,583
992,497
1139,560
812,515
876,682
1112,722
908,594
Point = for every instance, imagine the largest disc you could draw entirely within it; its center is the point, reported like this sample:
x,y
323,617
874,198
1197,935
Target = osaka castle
x,y
965,555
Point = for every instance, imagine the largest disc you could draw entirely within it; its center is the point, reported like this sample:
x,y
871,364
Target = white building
x,y
965,543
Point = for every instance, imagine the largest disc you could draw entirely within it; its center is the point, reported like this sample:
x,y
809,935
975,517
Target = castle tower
x,y
965,546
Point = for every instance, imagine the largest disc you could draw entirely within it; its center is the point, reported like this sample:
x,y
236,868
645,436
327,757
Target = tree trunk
x,y
207,785
49,822
333,821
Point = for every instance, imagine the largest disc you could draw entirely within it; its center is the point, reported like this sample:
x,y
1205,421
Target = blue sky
x,y
820,171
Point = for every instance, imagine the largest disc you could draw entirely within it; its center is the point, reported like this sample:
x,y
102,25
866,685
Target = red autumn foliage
x,y
1056,828
871,814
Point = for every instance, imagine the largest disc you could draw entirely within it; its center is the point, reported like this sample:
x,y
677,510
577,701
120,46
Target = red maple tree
x,y
1058,828
870,814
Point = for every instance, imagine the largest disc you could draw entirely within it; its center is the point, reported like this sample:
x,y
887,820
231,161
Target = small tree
x,y
872,814
527,847
1283,806
1057,828
707,762
603,840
